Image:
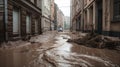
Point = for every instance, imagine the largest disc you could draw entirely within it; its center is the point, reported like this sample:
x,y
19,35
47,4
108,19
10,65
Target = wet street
x,y
53,50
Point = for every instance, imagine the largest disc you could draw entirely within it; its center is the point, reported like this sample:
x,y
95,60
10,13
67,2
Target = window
x,y
28,24
116,10
16,21
36,26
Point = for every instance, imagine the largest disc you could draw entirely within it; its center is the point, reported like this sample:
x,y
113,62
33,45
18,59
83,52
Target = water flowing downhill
x,y
55,51
61,55
59,33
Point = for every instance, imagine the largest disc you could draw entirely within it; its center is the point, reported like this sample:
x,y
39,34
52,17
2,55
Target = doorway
x,y
78,24
100,16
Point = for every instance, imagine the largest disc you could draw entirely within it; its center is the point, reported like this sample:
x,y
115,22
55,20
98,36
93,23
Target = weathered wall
x,y
10,20
92,11
46,15
77,15
106,15
55,16
110,26
2,31
23,9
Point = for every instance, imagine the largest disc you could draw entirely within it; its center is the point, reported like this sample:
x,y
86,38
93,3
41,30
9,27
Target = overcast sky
x,y
64,5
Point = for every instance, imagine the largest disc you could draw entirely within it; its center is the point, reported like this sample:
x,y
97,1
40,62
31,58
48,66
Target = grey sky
x,y
64,5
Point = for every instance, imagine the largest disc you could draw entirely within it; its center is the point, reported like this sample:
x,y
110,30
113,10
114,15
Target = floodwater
x,y
58,53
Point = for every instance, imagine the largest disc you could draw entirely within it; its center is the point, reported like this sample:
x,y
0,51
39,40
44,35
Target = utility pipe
x,y
5,19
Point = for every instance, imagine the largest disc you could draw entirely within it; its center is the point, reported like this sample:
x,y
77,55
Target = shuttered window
x,y
116,10
28,24
16,21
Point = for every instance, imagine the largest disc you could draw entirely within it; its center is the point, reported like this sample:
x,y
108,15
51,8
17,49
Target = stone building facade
x,y
2,27
60,18
55,16
52,14
46,15
19,19
102,16
76,14
67,23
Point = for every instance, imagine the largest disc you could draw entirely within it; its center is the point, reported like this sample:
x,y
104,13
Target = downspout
x,y
5,19
83,16
50,15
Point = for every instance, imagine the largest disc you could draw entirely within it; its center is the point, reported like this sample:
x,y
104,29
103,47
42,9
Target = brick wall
x,y
23,13
23,22
39,26
2,31
10,20
33,25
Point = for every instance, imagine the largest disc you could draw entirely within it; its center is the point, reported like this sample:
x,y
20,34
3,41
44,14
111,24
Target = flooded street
x,y
59,33
55,51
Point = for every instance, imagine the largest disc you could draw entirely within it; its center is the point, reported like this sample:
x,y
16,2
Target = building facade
x,y
60,18
101,16
52,14
76,15
55,16
19,19
46,15
67,23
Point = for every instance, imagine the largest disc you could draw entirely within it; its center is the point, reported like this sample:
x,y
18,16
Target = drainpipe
x,y
5,19
50,15
83,16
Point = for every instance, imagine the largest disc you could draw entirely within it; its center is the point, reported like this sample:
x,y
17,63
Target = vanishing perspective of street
x,y
59,33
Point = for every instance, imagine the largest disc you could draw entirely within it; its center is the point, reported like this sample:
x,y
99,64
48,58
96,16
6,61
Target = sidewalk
x,y
45,37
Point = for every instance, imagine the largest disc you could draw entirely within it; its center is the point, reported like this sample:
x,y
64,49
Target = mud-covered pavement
x,y
53,50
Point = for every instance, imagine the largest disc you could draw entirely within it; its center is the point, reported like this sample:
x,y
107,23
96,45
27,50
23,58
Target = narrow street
x,y
52,50
59,33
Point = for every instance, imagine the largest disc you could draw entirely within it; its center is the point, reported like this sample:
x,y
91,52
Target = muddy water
x,y
59,53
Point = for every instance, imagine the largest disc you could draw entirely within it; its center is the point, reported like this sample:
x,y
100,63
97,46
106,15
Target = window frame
x,y
29,25
19,20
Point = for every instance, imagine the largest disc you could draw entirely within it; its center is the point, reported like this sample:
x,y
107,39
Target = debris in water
x,y
97,41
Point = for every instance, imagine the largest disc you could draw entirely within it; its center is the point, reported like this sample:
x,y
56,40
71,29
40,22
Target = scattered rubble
x,y
97,41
